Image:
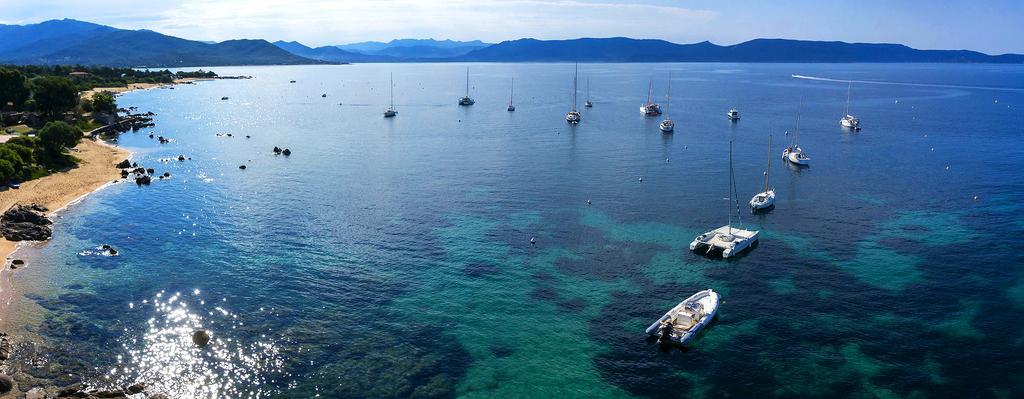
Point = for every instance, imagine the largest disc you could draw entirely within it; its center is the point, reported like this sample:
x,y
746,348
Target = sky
x,y
990,26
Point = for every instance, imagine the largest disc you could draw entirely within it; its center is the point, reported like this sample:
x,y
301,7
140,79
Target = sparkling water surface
x,y
392,257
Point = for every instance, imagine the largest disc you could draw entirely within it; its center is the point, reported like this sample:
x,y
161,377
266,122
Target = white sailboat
x,y
849,121
731,241
733,115
573,116
794,154
390,112
650,108
765,199
683,322
588,103
512,91
466,100
667,125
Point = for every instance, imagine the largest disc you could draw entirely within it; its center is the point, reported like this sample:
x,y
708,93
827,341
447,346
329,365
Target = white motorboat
x,y
390,112
466,100
573,116
730,240
733,114
765,199
683,322
849,121
512,91
794,154
650,108
667,125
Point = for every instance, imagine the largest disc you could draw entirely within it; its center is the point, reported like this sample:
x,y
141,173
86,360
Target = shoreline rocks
x,y
26,223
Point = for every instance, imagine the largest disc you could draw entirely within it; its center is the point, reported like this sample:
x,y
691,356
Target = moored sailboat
x,y
667,125
794,154
390,112
729,240
849,121
573,116
512,91
650,108
466,100
765,199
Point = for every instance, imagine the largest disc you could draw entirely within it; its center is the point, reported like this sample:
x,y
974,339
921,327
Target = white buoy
x,y
588,202
533,240
947,167
975,197
641,179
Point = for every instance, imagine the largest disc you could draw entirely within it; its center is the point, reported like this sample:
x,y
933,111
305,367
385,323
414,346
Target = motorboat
x,y
733,114
684,321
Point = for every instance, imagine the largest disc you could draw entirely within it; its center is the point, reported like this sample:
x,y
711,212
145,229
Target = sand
x,y
136,86
57,190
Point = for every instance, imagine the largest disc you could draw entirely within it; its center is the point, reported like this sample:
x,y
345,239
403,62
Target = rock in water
x,y
277,150
200,338
286,152
241,167
125,164
6,383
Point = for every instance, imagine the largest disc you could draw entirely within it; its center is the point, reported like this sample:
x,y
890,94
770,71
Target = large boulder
x,y
26,223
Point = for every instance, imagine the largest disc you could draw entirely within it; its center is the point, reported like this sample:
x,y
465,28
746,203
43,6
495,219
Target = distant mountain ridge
x,y
415,48
621,49
75,42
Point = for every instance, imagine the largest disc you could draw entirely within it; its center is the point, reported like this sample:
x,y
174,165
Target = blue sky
x,y
994,26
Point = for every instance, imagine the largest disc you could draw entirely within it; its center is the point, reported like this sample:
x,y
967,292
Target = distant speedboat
x,y
512,91
684,321
466,100
650,108
733,114
573,116
588,103
765,199
390,112
849,121
667,125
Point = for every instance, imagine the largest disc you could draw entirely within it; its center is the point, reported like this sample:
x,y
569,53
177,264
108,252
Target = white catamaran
x,y
650,108
667,126
765,199
849,121
731,241
573,116
466,100
390,112
682,323
794,154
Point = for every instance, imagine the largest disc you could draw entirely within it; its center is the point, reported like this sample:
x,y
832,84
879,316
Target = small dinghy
x,y
684,321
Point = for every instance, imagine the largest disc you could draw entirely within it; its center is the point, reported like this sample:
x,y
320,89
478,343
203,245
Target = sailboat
x,y
650,108
588,103
390,112
794,154
512,91
573,116
765,199
466,100
731,241
667,126
849,121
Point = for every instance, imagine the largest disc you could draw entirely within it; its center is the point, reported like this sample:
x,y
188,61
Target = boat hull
x,y
729,240
667,126
763,200
709,301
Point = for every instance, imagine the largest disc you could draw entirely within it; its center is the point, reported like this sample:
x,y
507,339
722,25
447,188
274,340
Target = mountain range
x,y
76,42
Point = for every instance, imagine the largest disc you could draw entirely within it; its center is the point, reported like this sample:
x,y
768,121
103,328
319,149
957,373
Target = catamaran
x,y
682,323
765,199
731,241
849,121
667,126
573,116
512,91
794,154
390,112
733,115
466,100
588,103
650,108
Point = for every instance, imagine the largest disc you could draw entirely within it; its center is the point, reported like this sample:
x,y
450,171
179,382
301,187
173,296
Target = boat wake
x,y
879,82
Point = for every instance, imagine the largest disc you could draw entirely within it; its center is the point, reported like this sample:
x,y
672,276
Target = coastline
x,y
57,191
138,86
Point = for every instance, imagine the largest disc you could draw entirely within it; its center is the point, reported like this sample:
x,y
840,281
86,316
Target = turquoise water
x,y
391,257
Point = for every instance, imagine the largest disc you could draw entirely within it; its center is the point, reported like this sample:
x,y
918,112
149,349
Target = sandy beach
x,y
59,189
137,86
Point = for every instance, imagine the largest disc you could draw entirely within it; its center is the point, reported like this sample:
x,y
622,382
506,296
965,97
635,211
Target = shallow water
x,y
391,257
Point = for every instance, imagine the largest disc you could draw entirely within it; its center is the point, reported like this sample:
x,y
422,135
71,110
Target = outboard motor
x,y
665,333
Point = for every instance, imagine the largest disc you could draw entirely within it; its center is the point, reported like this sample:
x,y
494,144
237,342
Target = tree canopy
x,y
12,88
57,135
54,95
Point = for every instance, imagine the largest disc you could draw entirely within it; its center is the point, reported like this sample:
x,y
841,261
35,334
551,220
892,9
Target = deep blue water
x,y
391,257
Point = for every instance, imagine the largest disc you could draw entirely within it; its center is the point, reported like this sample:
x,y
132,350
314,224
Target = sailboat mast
x,y
392,90
650,89
668,99
768,171
512,92
588,88
467,81
848,89
798,110
729,202
575,75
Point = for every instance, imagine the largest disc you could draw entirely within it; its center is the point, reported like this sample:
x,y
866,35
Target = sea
x,y
393,257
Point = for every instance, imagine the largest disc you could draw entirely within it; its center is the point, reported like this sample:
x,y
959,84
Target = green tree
x,y
12,88
6,170
24,152
11,156
54,95
57,135
104,102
